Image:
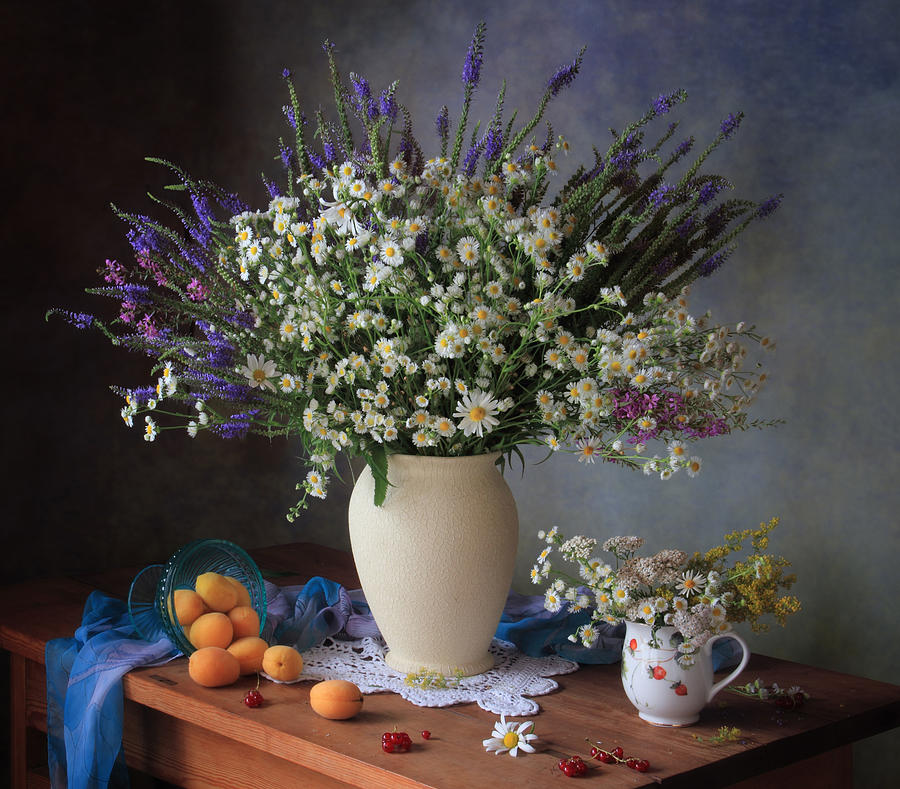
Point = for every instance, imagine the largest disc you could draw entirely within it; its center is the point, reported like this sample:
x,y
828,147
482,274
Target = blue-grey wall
x,y
200,83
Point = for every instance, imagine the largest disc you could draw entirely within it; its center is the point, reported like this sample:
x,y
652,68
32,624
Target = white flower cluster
x,y
657,590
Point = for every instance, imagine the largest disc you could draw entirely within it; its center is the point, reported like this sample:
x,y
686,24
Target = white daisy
x,y
690,583
587,449
150,430
258,372
477,413
507,737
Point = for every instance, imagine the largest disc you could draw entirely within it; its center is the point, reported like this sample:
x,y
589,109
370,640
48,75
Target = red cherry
x,y
659,672
681,690
253,698
426,735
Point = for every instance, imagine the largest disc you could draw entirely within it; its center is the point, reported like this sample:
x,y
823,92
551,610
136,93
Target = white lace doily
x,y
502,690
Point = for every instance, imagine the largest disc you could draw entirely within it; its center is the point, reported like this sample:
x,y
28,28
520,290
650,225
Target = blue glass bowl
x,y
155,612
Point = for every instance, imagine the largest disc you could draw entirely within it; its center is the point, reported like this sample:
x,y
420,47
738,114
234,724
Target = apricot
x,y
335,699
212,630
283,663
244,620
188,606
249,651
217,592
243,594
213,667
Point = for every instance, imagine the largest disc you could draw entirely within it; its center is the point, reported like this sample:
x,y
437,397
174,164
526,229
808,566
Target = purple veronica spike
x,y
286,156
442,123
684,229
662,195
730,124
711,264
387,105
286,73
684,147
237,426
493,144
272,188
472,67
662,104
80,320
769,207
330,151
564,76
289,114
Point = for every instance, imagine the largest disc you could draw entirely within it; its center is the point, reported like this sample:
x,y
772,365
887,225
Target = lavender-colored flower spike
x,y
565,75
471,72
769,207
442,123
388,105
286,73
289,114
662,195
731,123
493,144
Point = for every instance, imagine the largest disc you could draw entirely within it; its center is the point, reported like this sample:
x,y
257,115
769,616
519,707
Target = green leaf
x,y
378,463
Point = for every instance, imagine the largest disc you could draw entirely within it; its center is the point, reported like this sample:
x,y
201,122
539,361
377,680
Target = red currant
x,y
617,752
395,741
426,735
594,752
642,766
631,762
253,698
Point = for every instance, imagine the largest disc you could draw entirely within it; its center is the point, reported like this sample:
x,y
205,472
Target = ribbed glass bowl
x,y
180,572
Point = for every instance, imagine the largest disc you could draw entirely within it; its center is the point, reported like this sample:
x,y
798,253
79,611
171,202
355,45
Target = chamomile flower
x,y
477,411
258,371
588,449
690,583
509,738
150,429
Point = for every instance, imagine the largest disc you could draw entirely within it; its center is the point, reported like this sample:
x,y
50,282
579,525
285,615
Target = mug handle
x,y
744,658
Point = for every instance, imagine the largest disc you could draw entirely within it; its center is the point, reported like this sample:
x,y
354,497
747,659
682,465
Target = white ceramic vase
x,y
667,687
436,559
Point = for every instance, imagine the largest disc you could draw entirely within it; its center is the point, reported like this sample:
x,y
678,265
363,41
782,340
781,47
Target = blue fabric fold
x,y
84,673
84,694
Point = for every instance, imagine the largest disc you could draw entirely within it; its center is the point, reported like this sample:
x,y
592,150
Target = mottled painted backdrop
x,y
88,89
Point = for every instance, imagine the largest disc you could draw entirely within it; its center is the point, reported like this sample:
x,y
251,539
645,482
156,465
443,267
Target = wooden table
x,y
192,736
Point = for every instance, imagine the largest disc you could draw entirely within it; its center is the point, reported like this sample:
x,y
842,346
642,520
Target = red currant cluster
x,y
617,756
395,742
253,698
573,767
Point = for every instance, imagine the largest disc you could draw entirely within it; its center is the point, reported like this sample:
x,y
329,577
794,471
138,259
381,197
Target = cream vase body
x,y
436,559
667,687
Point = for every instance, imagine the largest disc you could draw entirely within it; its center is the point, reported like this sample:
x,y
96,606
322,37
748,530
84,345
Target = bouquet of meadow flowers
x,y
700,595
385,302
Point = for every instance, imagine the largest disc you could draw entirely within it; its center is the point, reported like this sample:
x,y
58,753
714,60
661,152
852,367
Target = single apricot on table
x,y
217,591
188,606
212,630
213,667
283,663
335,699
244,620
249,651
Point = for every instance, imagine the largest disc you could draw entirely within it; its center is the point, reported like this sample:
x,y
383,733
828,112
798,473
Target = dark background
x,y
90,88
